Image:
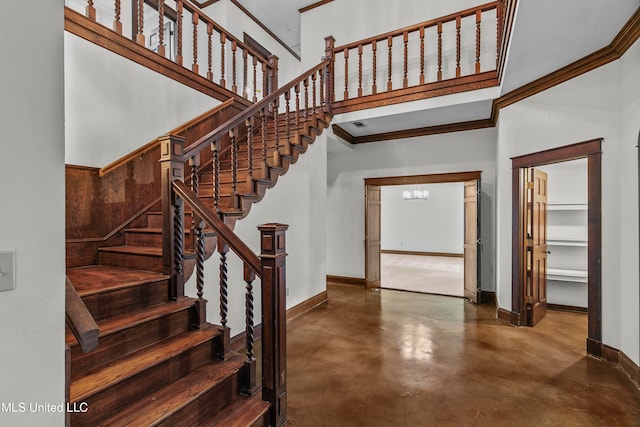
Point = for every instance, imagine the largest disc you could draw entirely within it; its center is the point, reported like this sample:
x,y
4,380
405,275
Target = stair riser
x,y
123,301
138,262
108,402
154,220
128,341
154,240
207,405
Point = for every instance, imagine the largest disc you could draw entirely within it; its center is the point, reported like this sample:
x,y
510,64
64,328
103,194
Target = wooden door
x,y
471,240
372,236
536,247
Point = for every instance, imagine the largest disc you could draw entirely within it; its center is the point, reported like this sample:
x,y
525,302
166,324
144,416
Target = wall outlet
x,y
7,270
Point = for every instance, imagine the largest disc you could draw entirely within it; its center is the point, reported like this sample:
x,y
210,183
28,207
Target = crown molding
x,y
314,5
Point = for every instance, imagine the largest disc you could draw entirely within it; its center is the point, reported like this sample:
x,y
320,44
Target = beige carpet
x,y
426,274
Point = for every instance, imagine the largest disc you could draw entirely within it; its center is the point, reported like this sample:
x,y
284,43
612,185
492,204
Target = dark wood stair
x,y
155,363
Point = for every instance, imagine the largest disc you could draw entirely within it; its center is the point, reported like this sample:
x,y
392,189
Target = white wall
x,y
602,103
454,152
113,105
432,225
236,22
299,200
32,214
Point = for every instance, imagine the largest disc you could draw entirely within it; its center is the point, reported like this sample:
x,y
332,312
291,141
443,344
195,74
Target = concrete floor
x,y
389,358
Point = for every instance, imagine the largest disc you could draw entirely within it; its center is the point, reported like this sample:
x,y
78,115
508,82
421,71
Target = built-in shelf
x,y
566,275
566,242
567,207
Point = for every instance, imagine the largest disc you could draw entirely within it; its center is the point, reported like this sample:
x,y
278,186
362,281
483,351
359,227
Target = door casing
x,y
591,150
411,180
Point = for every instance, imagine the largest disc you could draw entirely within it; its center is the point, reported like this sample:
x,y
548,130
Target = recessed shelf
x,y
567,275
567,207
567,242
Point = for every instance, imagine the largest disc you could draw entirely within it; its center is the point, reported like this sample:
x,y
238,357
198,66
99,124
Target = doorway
x,y
529,301
372,241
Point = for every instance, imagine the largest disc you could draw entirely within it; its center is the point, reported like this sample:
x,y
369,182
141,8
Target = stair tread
x,y
117,323
160,405
95,279
105,376
242,412
133,250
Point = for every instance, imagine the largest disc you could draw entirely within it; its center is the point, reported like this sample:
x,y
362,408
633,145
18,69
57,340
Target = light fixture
x,y
415,193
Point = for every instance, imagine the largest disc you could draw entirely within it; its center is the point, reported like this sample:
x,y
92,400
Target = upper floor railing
x,y
400,64
179,31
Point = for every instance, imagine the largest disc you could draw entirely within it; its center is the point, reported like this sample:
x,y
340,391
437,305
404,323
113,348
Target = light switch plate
x,y
7,270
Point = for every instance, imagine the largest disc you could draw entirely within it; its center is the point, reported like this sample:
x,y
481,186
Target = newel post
x,y
172,169
329,44
273,77
274,340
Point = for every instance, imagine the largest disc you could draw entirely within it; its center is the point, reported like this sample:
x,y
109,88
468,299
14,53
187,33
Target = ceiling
x,y
546,36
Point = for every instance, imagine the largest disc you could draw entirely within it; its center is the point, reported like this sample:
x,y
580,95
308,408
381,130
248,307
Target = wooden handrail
x,y
221,229
80,321
416,27
238,120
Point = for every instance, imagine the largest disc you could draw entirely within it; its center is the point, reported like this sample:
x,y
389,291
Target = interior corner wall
x,y
299,200
445,153
435,224
601,103
32,319
113,105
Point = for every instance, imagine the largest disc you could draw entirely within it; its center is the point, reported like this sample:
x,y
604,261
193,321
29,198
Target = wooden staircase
x,y
157,363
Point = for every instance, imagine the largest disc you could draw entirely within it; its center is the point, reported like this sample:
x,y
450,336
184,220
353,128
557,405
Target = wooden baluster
x,y
194,164
234,168
255,78
478,30
439,51
117,24
216,176
210,51
245,94
359,70
265,80
322,89
374,51
274,320
179,31
90,10
250,123
329,53
305,82
161,50
421,55
195,19
263,116
314,98
390,61
346,74
249,385
458,46
201,303
223,45
405,80
297,91
287,107
234,46
172,169
276,152
140,27
224,349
